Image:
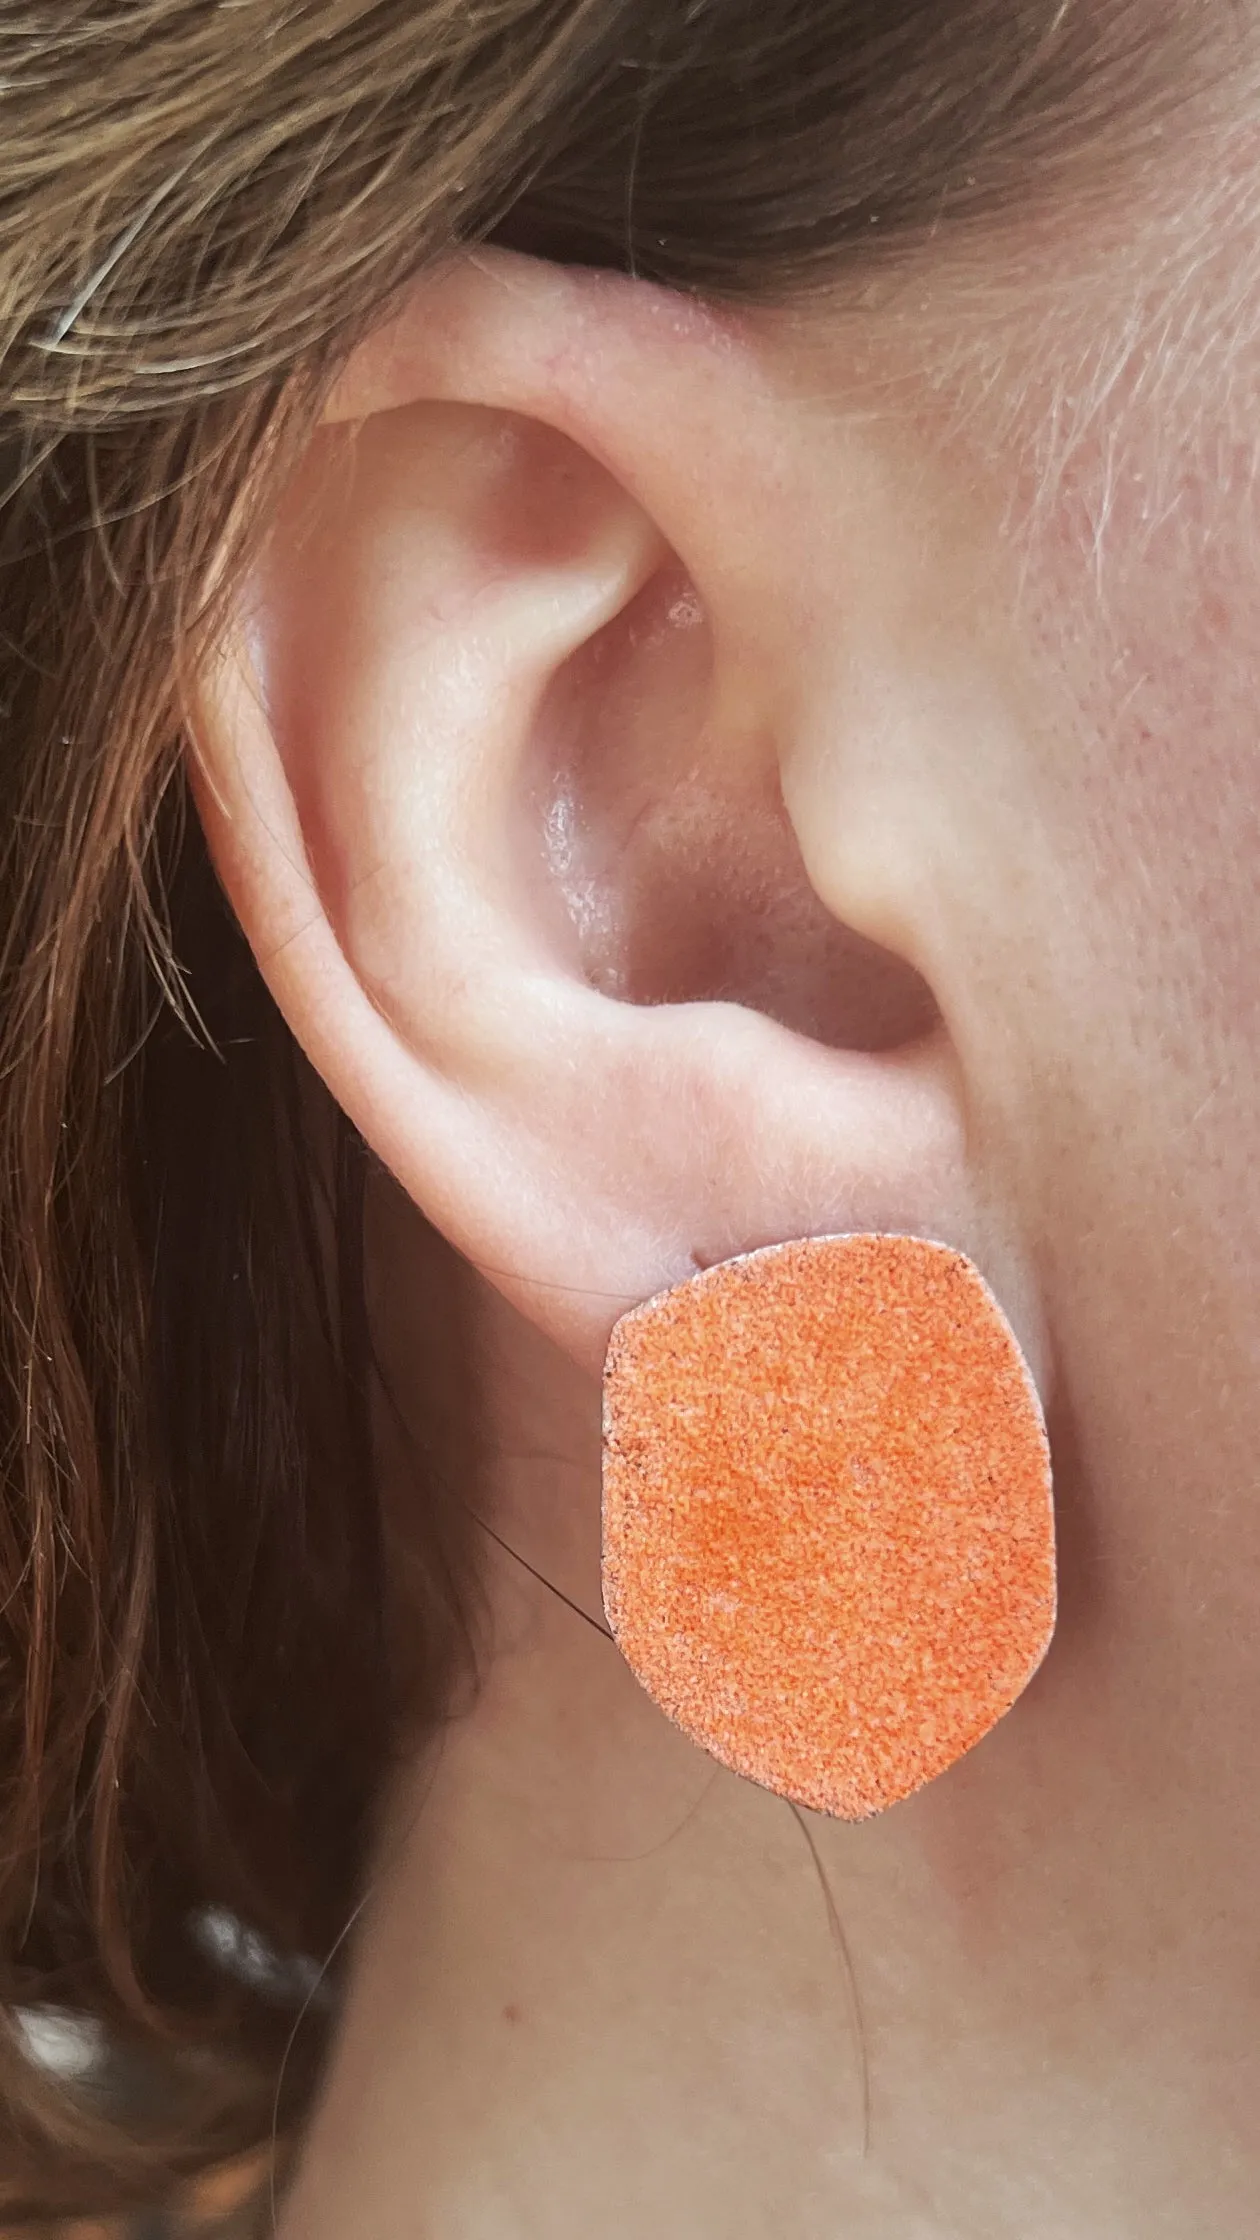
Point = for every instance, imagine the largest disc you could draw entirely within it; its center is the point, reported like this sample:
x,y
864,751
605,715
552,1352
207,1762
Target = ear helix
x,y
828,1533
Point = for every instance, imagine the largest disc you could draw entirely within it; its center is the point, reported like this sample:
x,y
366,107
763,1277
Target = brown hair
x,y
201,208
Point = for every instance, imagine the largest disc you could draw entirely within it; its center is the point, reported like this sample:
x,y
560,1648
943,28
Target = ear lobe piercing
x,y
828,1532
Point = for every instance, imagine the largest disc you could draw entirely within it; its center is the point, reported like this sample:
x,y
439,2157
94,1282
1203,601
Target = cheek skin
x,y
1143,1119
1150,782
1097,1854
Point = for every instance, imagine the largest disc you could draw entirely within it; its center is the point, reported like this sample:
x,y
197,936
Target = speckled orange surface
x,y
828,1528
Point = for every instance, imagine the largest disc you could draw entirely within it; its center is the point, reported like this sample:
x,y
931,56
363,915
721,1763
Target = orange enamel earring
x,y
828,1532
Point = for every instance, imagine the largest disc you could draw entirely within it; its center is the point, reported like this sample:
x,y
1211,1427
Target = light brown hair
x,y
201,208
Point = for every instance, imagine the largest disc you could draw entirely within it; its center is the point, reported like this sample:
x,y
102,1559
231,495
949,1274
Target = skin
x,y
922,735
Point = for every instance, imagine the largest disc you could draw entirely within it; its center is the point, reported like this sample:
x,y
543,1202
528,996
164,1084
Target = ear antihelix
x,y
828,1530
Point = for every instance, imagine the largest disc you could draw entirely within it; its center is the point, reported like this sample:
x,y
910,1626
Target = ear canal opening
x,y
672,870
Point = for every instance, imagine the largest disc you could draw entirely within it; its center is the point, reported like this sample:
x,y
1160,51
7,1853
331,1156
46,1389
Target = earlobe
x,y
494,778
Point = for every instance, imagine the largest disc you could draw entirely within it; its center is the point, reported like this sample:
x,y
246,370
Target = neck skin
x,y
602,1985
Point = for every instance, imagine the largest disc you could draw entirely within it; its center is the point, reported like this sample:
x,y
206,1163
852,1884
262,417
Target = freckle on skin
x,y
511,2012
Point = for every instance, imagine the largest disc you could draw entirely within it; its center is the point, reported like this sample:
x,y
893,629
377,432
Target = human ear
x,y
575,769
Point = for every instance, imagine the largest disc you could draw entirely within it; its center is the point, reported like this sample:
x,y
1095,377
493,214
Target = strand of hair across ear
x,y
835,1925
575,1290
849,1972
596,1624
548,1283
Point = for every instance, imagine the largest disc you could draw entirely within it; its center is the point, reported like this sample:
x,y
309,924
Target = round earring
x,y
828,1530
